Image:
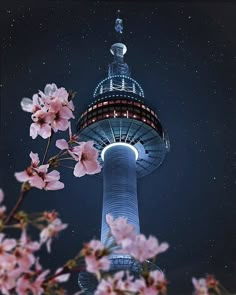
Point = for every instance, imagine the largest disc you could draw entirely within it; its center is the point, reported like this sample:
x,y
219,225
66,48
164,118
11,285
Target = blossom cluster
x,y
206,286
20,270
125,241
36,175
153,283
83,153
51,111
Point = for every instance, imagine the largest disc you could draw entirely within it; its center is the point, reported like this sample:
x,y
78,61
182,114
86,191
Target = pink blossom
x,y
6,245
24,252
74,151
8,277
120,229
52,92
94,265
108,286
62,144
142,248
61,278
120,283
32,105
96,258
51,231
25,284
61,116
52,182
200,286
41,126
38,177
153,284
88,163
51,110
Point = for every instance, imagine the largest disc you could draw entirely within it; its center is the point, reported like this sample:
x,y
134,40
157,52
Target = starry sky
x,y
184,56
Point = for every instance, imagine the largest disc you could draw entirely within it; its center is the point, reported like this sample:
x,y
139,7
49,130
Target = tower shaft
x,y
119,187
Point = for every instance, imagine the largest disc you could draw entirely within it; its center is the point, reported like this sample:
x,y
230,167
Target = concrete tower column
x,y
119,185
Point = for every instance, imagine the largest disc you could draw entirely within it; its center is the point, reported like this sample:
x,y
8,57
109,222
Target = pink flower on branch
x,y
38,177
204,286
31,284
24,252
120,283
135,245
51,231
84,153
153,283
50,110
96,258
8,278
200,286
87,163
142,248
41,126
6,246
120,229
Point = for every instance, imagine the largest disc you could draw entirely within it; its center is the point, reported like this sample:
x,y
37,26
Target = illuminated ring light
x,y
119,143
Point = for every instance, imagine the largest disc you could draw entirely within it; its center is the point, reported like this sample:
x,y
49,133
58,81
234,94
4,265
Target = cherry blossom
x,y
8,278
136,245
25,284
200,286
51,181
120,283
41,126
61,115
51,231
88,163
109,286
120,229
24,252
32,105
95,257
142,248
153,283
6,245
38,177
61,278
51,111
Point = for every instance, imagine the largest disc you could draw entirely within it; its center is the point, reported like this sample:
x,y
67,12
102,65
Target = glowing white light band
x,y
119,143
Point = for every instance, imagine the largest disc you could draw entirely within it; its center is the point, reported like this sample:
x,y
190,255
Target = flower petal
x,y
54,185
79,170
36,181
27,104
22,176
53,175
62,144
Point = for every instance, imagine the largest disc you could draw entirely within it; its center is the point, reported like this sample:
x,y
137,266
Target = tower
x,y
131,142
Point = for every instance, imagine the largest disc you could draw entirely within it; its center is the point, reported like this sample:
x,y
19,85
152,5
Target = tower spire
x,y
118,66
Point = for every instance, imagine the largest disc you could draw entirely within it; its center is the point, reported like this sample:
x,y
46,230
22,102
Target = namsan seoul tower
x,y
131,142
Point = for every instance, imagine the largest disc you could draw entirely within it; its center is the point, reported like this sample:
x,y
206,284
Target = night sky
x,y
184,57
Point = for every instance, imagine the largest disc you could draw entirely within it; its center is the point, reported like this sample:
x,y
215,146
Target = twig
x,y
17,205
46,151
